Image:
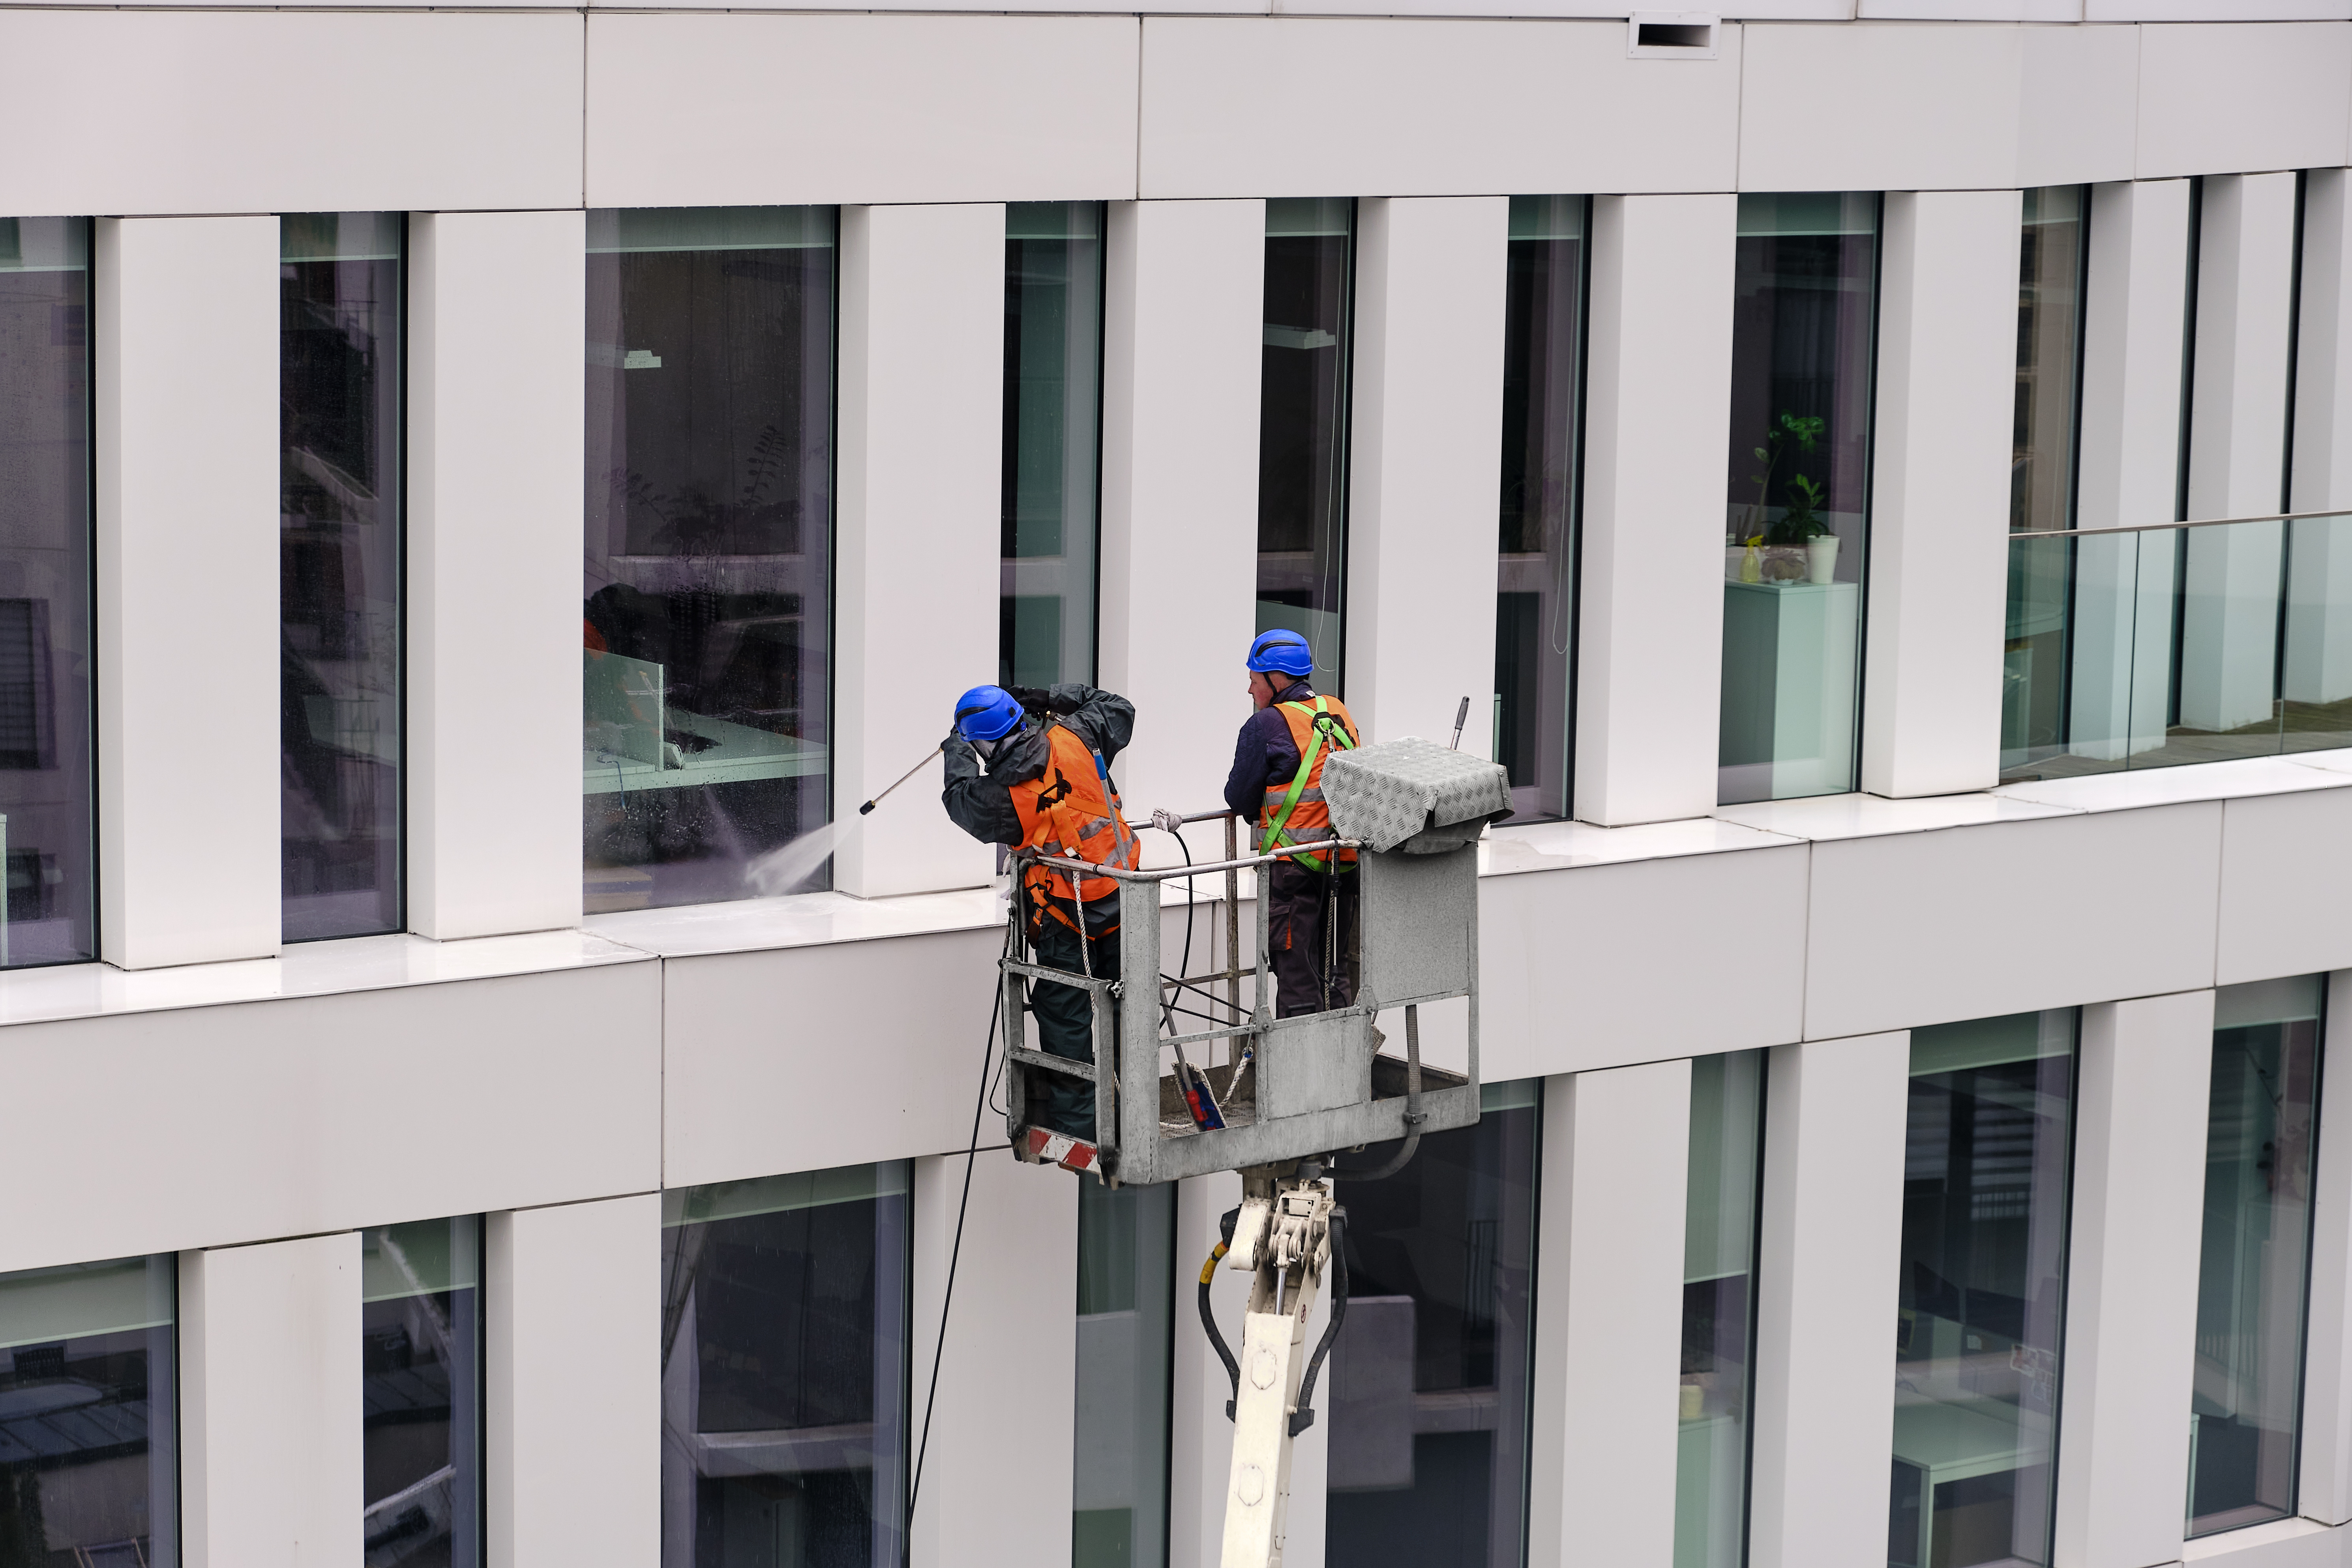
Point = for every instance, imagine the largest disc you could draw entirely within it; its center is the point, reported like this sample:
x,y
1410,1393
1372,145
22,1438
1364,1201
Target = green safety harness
x,y
1325,725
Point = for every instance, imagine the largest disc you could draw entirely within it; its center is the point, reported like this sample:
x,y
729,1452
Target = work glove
x,y
1035,699
958,759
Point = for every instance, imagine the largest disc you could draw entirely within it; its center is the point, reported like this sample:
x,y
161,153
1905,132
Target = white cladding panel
x,y
1426,431
1942,105
2240,99
1289,106
1829,1264
186,440
916,534
274,1119
2140,887
2132,1278
2078,102
496,369
160,110
738,107
1609,1316
1649,665
2286,862
810,1058
1007,1377
270,1465
1940,491
1593,968
572,1462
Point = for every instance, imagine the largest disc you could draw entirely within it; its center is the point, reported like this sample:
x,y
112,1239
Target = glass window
x,y
88,1470
421,1360
46,793
1804,321
709,522
2253,1275
1726,1163
339,565
1986,1161
1302,449
785,1369
2052,265
1534,604
1126,1283
1429,1381
1053,427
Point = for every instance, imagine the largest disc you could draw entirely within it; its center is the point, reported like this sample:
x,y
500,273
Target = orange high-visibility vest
x,y
1070,810
1294,812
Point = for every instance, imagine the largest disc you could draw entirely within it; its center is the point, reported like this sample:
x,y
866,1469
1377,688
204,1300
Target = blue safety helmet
x,y
986,713
1279,650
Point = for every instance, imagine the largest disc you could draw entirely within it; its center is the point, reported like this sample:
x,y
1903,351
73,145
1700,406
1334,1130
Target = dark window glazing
x,y
89,1473
1718,1373
1429,1380
1987,1164
1534,605
1302,452
46,856
1053,420
339,553
2054,261
785,1369
1127,1279
1804,321
2245,1421
421,1387
709,523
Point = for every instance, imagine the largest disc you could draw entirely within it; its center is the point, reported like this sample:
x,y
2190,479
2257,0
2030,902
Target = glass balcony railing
x,y
2198,642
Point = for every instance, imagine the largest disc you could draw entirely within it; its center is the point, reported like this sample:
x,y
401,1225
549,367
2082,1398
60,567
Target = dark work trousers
x,y
1305,910
1065,1017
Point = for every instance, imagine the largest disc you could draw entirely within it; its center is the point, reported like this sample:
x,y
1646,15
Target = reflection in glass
x,y
710,521
1302,452
1429,1379
1727,1155
1127,1280
1535,606
421,1370
784,1355
2253,1282
46,787
1804,317
1986,1165
2156,640
1052,424
339,547
88,1470
2052,262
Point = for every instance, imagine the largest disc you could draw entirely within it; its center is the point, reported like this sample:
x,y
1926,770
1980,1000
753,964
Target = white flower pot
x,y
1821,559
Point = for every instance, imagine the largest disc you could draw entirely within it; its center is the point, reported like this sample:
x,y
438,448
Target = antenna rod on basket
x,y
1461,717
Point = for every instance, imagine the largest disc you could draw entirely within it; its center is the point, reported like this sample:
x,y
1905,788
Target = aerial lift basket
x,y
1295,1088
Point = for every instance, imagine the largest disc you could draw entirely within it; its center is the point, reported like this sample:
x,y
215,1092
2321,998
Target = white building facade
x,y
1869,468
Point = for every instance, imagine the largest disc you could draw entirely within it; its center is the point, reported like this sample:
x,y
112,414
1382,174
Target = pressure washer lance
x,y
868,808
1461,717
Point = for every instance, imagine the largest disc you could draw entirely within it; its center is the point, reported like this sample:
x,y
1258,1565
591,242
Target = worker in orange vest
x,y
1277,782
1030,768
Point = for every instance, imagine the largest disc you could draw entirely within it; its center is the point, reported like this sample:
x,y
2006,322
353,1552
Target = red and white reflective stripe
x,y
1061,1149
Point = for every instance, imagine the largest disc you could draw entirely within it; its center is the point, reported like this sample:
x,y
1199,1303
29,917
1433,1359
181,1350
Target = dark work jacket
x,y
981,803
1264,755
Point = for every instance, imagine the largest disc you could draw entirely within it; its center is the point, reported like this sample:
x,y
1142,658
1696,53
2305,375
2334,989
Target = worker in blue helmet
x,y
1277,785
1029,767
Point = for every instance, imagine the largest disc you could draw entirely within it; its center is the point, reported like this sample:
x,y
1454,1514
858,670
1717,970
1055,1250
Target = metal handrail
x,y
2197,522
1177,873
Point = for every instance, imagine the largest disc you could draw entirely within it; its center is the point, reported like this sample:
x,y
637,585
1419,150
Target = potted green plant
x,y
1803,524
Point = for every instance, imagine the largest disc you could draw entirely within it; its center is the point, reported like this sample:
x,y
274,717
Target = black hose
x,y
1304,1416
1209,1318
915,1486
